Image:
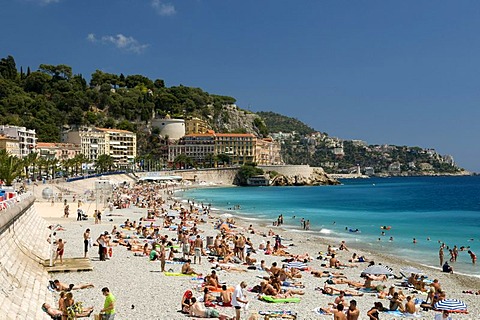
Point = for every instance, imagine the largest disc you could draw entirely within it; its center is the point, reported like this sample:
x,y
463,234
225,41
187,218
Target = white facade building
x,y
27,139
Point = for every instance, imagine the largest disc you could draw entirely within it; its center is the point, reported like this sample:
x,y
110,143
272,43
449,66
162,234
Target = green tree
x,y
8,68
104,163
223,158
10,167
247,171
182,161
30,161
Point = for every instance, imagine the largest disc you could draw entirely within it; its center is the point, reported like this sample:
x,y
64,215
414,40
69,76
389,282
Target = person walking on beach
x,y
87,242
109,305
66,211
238,299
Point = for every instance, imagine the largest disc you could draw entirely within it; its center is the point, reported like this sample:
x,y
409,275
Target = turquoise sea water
x,y
443,209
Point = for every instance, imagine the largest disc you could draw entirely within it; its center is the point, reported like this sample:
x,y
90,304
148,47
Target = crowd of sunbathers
x,y
68,308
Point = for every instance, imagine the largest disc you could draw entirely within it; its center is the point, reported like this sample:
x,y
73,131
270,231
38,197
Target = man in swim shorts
x,y
198,244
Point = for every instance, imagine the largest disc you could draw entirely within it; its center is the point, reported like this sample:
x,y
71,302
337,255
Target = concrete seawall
x,y
23,280
227,175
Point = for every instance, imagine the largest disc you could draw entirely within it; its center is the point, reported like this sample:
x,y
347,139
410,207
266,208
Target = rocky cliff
x,y
316,178
233,119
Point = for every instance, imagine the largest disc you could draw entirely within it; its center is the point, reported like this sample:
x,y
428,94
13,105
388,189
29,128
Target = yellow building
x,y
268,152
240,147
195,125
10,144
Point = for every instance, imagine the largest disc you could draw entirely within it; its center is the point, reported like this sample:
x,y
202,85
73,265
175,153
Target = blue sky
x,y
397,72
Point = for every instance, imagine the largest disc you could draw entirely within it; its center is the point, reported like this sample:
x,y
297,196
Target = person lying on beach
x,y
342,280
381,277
229,268
356,258
52,312
332,290
327,273
60,286
367,284
303,257
198,310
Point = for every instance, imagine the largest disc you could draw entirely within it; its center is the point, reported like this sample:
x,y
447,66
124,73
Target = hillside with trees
x,y
52,98
276,122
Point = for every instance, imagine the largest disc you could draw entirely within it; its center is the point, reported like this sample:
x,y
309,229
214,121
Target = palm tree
x,y
30,160
104,163
10,167
78,161
183,161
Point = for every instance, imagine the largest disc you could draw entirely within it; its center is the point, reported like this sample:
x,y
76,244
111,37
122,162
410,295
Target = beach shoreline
x,y
126,273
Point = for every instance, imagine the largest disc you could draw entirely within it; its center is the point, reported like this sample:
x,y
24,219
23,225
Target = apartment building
x,y
240,147
11,145
59,151
268,152
196,125
27,139
121,145
199,147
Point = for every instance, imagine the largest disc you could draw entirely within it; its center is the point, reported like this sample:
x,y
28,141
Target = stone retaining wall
x,y
23,280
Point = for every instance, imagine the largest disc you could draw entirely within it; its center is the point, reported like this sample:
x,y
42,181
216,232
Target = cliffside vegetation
x,y
53,98
280,123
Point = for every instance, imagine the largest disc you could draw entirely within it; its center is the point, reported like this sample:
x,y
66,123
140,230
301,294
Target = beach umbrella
x,y
451,305
377,269
409,270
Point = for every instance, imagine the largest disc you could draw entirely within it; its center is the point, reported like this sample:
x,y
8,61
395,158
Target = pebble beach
x,y
144,292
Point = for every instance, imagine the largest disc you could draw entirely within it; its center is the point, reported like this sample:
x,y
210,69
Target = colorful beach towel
x,y
279,300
